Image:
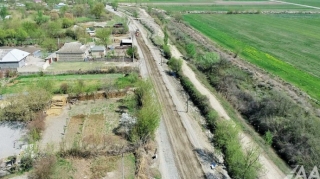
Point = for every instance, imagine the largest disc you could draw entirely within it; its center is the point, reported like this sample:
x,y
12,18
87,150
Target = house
x,y
58,6
71,52
98,51
37,1
12,58
126,42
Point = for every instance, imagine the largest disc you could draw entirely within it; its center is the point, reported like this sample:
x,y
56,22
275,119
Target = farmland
x,y
269,7
276,43
305,2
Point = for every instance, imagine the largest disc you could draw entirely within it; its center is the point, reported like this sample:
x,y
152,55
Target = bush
x,y
35,127
133,52
166,51
175,64
43,167
64,88
26,163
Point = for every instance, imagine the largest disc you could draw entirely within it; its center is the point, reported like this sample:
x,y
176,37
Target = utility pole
x,y
187,105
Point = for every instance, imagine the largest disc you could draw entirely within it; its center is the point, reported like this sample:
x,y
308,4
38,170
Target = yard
x,y
22,83
92,125
276,43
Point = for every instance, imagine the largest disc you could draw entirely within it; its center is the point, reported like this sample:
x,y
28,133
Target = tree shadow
x,y
207,156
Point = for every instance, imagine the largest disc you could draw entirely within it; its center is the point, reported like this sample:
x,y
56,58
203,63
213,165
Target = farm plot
x,y
94,130
74,131
276,43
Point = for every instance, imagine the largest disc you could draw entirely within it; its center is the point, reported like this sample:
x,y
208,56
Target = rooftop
x,y
72,47
12,55
97,48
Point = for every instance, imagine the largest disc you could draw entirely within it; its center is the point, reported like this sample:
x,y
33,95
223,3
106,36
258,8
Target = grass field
x,y
280,7
24,82
305,2
284,45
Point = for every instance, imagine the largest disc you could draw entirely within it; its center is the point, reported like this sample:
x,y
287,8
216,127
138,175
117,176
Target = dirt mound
x,y
57,103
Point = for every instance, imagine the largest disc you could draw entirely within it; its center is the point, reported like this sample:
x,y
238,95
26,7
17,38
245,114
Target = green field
x,y
284,45
280,7
24,82
305,2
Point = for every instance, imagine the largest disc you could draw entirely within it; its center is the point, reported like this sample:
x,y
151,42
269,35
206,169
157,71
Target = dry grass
x,y
100,166
94,128
43,168
74,130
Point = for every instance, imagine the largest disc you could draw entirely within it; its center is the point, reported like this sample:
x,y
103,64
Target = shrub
x,y
64,87
36,126
43,167
166,51
133,52
175,64
26,163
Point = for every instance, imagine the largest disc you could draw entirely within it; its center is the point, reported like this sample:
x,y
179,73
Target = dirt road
x,y
186,159
271,170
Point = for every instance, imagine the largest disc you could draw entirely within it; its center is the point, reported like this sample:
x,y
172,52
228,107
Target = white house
x,y
12,58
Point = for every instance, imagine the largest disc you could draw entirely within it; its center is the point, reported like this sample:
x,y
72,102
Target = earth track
x,y
185,157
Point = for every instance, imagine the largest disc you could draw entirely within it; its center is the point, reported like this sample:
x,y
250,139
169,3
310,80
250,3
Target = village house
x,y
72,52
12,58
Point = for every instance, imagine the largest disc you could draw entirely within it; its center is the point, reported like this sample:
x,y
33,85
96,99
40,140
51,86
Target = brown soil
x,y
73,133
186,159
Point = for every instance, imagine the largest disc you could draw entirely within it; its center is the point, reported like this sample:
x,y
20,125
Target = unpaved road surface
x,y
54,131
271,170
186,159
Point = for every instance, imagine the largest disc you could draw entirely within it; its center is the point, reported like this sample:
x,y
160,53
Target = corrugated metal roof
x,y
12,55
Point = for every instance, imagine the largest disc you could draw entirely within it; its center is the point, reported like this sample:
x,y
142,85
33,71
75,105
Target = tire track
x,y
185,158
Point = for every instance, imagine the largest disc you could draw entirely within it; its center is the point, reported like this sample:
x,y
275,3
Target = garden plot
x,y
94,130
73,133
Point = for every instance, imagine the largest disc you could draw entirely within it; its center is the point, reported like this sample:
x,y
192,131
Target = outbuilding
x,y
12,58
126,42
98,51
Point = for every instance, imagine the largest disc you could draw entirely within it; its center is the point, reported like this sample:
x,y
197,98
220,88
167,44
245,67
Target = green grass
x,y
305,2
24,82
65,66
276,43
280,7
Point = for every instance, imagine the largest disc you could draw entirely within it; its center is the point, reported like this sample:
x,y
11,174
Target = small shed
x,y
12,58
126,42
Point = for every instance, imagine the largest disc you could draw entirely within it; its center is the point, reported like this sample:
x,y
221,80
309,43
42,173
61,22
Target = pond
x,y
11,138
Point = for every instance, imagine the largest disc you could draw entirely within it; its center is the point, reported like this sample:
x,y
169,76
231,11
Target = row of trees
x,y
46,27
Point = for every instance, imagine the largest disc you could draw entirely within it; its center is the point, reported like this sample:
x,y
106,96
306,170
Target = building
x,y
126,42
98,51
71,52
12,58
